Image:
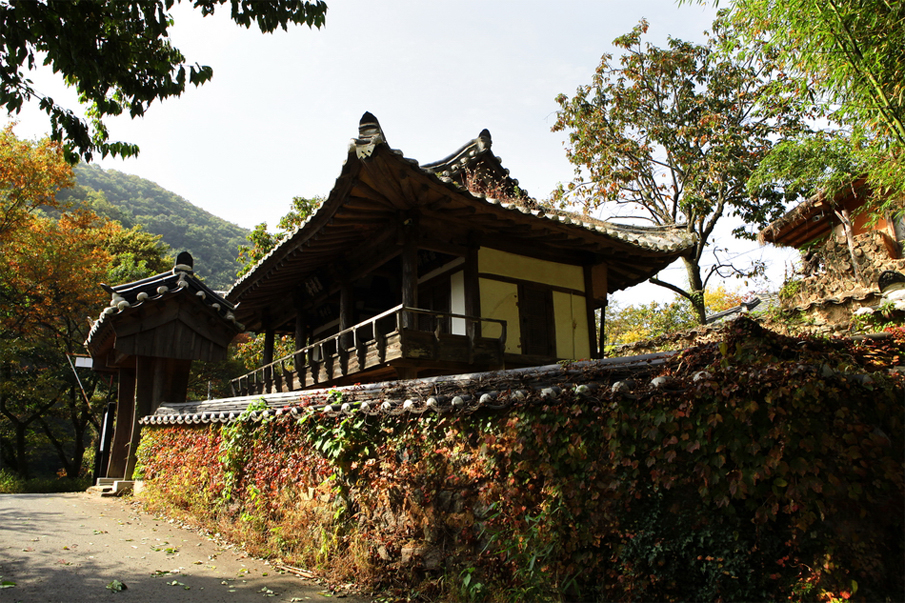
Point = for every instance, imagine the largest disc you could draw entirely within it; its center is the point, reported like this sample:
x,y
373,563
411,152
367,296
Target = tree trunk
x,y
21,460
844,217
696,290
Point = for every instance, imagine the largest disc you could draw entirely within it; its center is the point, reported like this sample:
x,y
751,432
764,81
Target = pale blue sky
x,y
277,117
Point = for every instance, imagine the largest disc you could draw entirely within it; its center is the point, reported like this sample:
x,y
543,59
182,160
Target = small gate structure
x,y
149,335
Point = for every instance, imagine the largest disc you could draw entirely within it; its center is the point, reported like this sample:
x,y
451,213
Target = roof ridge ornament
x,y
370,134
184,263
484,141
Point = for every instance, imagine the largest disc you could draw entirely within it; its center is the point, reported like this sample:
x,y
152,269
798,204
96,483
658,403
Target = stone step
x,y
111,487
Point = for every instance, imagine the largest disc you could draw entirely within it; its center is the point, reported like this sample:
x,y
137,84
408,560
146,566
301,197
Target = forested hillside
x,y
131,200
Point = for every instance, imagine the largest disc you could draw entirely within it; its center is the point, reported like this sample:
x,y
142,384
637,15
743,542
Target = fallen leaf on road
x,y
116,586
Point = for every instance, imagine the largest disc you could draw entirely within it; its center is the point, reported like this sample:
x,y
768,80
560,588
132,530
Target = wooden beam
x,y
436,244
520,281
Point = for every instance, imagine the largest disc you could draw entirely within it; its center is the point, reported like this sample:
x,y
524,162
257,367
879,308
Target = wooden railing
x,y
283,374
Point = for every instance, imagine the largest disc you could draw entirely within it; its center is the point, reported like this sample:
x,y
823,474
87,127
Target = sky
x,y
277,117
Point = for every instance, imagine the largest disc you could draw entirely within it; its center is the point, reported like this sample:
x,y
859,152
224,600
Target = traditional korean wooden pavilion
x,y
414,271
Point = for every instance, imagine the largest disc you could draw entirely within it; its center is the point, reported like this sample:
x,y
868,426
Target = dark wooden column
x,y
144,403
345,313
269,337
409,280
590,307
603,328
157,380
125,408
301,330
267,358
472,290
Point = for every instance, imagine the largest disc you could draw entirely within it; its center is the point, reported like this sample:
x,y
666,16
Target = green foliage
x,y
117,55
262,241
790,289
803,166
249,349
842,58
630,324
848,53
236,446
635,323
10,483
210,380
181,226
676,132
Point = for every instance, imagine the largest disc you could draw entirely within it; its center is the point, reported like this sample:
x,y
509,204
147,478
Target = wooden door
x,y
536,318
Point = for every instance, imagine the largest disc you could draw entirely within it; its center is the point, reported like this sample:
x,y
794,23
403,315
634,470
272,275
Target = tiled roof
x,y
671,241
178,281
811,218
453,393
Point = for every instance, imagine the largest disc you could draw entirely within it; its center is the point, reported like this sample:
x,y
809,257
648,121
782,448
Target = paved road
x,y
69,547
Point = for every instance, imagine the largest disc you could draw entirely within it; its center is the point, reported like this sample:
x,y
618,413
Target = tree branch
x,y
671,287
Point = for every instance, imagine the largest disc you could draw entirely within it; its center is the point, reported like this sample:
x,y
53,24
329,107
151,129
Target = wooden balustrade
x,y
373,343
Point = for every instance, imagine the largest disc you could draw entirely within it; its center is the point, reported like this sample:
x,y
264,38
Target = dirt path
x,y
69,547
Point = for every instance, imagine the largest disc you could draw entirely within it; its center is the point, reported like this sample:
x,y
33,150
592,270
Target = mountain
x,y
212,241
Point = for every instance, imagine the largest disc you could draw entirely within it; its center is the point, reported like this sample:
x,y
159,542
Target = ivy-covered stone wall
x,y
760,467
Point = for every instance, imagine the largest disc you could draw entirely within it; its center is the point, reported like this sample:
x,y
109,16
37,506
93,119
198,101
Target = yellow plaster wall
x,y
493,261
571,326
500,301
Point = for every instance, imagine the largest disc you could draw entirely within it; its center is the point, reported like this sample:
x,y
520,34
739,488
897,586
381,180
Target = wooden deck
x,y
366,353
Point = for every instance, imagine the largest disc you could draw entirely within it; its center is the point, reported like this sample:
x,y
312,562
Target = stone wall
x,y
827,290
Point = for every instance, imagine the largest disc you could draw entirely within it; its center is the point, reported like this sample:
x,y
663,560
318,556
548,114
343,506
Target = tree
x,y
117,55
847,59
53,259
676,132
31,174
630,324
48,279
50,283
263,241
851,52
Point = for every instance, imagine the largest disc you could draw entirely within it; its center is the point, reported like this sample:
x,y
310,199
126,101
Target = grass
x,y
10,483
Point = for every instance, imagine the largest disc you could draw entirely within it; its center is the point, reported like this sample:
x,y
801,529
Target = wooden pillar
x,y
122,433
590,306
472,291
144,403
301,340
269,336
409,281
602,347
157,380
345,314
301,329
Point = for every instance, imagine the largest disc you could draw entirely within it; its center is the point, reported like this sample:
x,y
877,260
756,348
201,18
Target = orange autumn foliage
x,y
31,174
50,274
